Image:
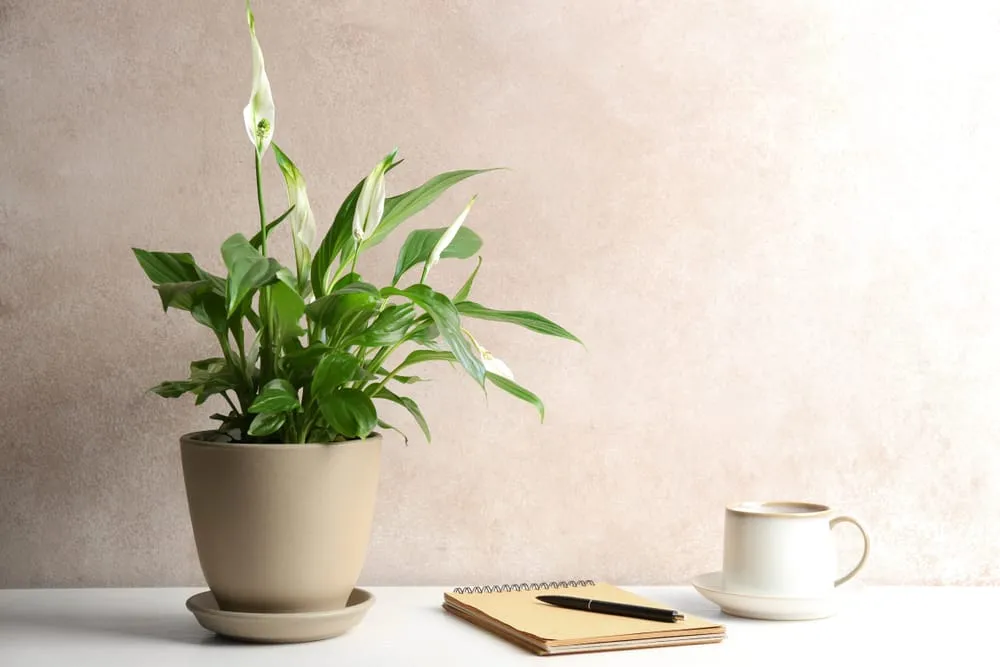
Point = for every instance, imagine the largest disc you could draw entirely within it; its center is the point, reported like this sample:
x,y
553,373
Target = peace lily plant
x,y
305,352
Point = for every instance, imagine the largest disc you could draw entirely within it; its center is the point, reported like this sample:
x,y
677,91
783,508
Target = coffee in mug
x,y
783,549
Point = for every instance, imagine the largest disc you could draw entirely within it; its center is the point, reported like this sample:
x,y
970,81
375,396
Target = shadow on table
x,y
181,628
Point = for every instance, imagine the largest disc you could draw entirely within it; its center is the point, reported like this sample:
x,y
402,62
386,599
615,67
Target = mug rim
x,y
806,510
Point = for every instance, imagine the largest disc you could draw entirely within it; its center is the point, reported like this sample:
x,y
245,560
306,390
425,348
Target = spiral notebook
x,y
512,612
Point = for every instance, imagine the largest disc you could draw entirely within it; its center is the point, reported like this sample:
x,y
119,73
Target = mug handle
x,y
864,556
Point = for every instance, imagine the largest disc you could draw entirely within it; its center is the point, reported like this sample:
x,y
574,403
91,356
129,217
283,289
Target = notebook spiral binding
x,y
537,586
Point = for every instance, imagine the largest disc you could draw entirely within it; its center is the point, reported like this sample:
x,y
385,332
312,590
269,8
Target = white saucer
x,y
282,628
767,607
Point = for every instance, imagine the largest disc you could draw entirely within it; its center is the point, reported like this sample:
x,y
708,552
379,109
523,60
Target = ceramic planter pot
x,y
281,528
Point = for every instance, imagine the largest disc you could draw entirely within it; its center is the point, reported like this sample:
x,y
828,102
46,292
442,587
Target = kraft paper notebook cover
x,y
512,612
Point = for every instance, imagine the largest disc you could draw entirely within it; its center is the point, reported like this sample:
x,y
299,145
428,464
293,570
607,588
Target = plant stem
x,y
290,435
336,274
302,418
241,348
266,353
304,435
260,207
230,401
379,357
383,353
391,374
360,354
227,353
377,360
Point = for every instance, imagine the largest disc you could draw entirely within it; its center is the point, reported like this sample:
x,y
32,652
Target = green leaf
x,y
411,407
210,310
327,310
408,379
207,370
248,270
258,238
278,395
266,423
425,333
287,308
463,293
420,356
403,206
333,371
390,326
300,365
167,267
447,320
384,424
344,281
218,283
524,318
173,388
176,267
514,389
349,412
182,296
208,377
345,312
402,379
287,277
212,376
415,357
420,242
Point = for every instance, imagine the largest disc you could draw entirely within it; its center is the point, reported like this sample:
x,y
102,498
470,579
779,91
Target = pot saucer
x,y
770,608
280,628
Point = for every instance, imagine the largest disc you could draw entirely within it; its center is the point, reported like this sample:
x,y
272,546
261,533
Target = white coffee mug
x,y
783,549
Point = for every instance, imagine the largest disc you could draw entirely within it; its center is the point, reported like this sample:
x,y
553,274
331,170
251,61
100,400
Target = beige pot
x,y
281,528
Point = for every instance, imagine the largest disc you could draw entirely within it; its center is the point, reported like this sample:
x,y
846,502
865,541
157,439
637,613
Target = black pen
x,y
613,608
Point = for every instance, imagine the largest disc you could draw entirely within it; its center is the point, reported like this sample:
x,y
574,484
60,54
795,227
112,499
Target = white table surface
x,y
406,626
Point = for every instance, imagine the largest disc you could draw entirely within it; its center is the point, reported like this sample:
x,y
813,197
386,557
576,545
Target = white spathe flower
x,y
448,236
492,364
496,366
303,222
371,202
258,115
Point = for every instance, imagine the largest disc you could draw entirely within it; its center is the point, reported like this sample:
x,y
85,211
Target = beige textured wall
x,y
774,224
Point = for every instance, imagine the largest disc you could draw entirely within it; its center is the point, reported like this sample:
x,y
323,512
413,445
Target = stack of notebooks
x,y
514,613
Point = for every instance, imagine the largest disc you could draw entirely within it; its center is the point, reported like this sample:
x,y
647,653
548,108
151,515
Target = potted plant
x,y
281,493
